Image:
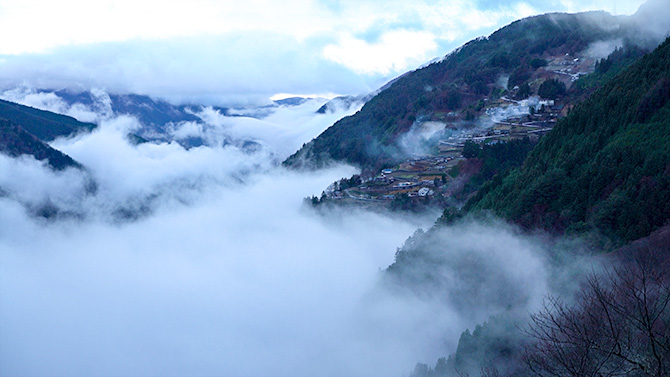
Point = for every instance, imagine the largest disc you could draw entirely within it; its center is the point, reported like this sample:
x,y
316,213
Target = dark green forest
x,y
45,125
603,174
15,141
25,130
604,169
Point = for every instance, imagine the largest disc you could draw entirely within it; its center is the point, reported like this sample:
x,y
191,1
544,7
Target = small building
x,y
425,191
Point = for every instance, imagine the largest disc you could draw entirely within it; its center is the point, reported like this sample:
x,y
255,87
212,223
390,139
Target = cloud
x,y
241,280
147,19
57,25
395,51
421,137
230,70
223,53
284,128
226,275
205,262
25,94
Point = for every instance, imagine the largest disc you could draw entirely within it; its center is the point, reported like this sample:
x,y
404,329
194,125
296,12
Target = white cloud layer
x,y
393,52
227,275
230,51
203,262
281,129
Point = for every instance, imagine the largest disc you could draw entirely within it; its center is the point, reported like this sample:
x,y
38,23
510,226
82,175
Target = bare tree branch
x,y
618,326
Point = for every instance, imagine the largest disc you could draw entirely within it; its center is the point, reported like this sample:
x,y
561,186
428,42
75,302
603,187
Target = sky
x,y
223,52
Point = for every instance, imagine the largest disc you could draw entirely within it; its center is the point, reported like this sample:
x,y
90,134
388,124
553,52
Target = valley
x,y
278,192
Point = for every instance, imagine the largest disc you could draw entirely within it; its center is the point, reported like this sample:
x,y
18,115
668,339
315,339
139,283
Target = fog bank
x,y
166,261
242,284
160,260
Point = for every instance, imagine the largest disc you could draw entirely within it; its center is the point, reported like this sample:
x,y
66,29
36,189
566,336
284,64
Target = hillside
x,y
44,125
605,168
25,130
15,141
512,61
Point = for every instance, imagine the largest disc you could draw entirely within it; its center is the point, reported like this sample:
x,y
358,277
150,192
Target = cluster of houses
x,y
514,127
419,177
425,176
572,67
508,119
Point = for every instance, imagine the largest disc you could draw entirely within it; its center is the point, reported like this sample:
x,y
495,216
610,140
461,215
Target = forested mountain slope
x,y
44,125
450,90
15,141
604,168
25,130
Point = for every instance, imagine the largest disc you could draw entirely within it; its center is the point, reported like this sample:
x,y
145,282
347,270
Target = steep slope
x,y
449,90
604,168
15,141
44,125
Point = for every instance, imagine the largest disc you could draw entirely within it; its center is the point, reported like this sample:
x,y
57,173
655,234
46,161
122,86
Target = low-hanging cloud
x,y
421,137
241,282
222,271
284,128
236,280
281,129
100,109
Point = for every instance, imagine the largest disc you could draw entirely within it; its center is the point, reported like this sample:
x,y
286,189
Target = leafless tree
x,y
619,324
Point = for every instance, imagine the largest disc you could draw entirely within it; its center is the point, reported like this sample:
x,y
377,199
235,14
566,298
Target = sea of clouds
x,y
162,260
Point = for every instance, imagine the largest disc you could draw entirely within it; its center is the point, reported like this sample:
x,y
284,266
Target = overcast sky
x,y
220,51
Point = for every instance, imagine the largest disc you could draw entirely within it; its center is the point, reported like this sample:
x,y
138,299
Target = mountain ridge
x,y
15,141
454,84
45,125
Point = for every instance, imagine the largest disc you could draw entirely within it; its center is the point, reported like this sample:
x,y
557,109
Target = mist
x,y
215,70
421,137
243,284
161,260
227,274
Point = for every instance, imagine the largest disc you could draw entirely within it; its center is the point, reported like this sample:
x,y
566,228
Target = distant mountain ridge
x,y
147,110
158,112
